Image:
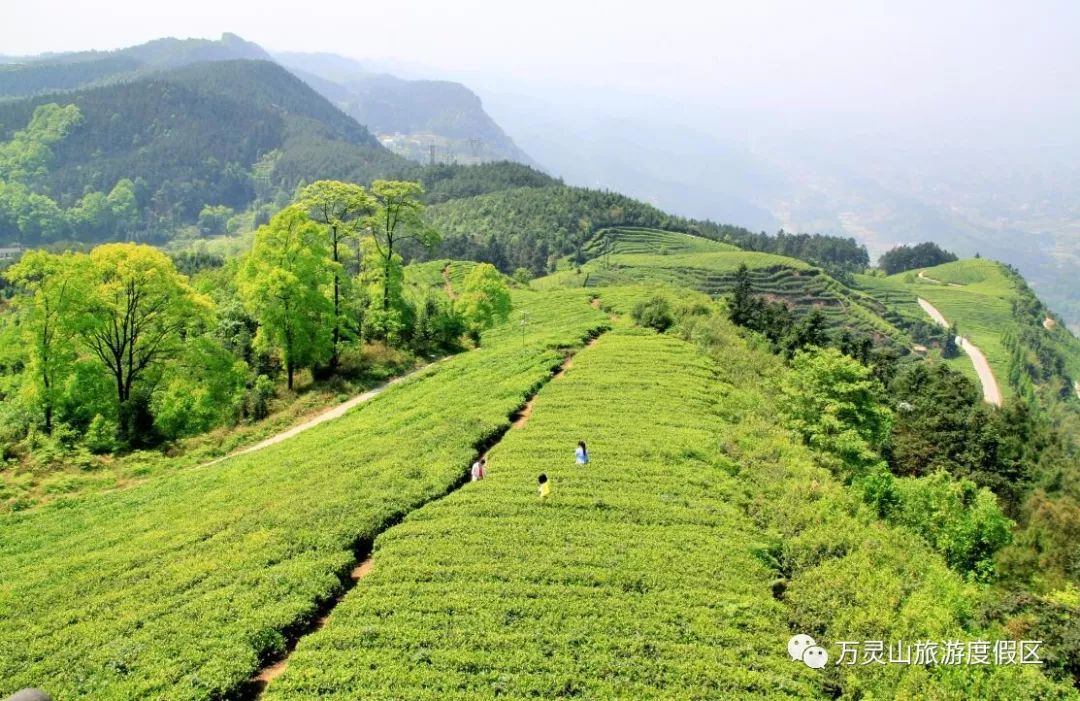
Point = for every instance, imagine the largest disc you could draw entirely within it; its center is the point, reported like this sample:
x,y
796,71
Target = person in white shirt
x,y
479,469
582,453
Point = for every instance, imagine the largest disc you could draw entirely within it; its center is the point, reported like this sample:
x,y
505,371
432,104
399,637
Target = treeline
x,y
922,255
1037,364
836,254
116,349
531,227
443,182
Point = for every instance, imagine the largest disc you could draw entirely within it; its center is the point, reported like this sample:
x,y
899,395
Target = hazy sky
x,y
824,57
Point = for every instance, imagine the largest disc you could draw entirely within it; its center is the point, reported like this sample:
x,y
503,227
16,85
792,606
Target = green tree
x,y
484,300
340,208
135,316
214,219
743,305
838,407
124,207
949,347
398,217
285,285
382,280
52,290
959,519
653,313
27,155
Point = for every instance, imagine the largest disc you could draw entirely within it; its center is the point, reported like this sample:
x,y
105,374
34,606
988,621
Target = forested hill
x,y
409,116
30,76
217,134
530,227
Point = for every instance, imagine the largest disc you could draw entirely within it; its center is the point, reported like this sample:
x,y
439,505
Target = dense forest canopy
x,y
922,255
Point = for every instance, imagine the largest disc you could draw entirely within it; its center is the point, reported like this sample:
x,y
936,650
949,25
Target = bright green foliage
x,y
186,404
53,291
654,313
178,587
960,520
214,219
286,284
792,286
837,406
843,574
382,288
137,312
340,208
484,300
398,217
637,578
635,240
101,435
27,155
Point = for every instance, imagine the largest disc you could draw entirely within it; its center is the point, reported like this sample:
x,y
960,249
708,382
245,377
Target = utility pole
x,y
524,321
431,147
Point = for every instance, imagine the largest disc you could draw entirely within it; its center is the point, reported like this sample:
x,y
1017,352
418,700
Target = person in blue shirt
x,y
582,453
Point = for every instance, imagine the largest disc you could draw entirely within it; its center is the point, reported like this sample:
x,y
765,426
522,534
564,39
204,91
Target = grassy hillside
x,y
710,267
656,241
533,227
215,566
639,568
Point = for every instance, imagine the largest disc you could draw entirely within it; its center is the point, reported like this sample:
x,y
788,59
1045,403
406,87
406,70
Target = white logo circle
x,y
798,645
815,657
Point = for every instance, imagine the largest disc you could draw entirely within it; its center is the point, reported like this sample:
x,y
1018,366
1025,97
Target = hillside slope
x,y
226,562
409,116
67,71
1029,349
219,133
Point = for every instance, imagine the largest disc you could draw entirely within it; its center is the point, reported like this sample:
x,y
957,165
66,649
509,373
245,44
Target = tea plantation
x,y
179,588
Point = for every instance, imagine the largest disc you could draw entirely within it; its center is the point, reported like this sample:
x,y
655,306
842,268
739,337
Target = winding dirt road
x,y
991,390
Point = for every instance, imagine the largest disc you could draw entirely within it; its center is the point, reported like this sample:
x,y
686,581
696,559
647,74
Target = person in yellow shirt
x,y
545,486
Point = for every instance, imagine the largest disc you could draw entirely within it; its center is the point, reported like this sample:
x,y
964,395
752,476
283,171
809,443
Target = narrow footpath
x,y
254,688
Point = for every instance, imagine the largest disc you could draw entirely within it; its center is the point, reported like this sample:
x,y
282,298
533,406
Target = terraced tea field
x,y
636,578
635,240
710,267
181,587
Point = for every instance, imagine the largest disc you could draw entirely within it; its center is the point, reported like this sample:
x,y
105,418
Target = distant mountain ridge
x,y
224,133
410,116
418,119
26,76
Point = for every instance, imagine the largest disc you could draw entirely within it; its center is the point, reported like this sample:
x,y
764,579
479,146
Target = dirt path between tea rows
x,y
254,688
